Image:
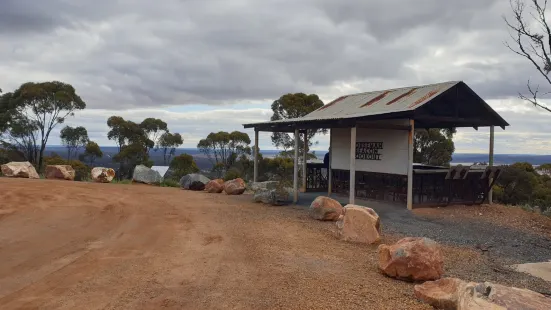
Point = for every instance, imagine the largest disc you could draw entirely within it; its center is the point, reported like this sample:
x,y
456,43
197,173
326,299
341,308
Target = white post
x,y
329,173
304,154
352,186
491,161
256,150
295,167
410,165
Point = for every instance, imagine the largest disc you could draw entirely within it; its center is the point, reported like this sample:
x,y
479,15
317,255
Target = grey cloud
x,y
128,54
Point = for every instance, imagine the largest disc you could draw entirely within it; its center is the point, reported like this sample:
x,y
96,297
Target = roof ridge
x,y
398,88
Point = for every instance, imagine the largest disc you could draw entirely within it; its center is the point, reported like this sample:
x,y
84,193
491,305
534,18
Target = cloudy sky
x,y
209,65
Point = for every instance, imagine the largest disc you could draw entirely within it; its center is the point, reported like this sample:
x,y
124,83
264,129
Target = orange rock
x,y
235,187
62,172
215,186
325,209
451,293
417,259
441,294
359,224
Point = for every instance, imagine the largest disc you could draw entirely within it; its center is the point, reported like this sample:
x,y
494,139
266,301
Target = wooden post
x,y
491,161
352,186
410,165
295,168
329,173
256,150
304,155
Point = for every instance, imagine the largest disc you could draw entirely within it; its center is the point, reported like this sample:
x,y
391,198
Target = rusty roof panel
x,y
379,97
376,102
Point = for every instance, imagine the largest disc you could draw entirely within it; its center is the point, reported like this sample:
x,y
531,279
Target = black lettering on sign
x,y
369,150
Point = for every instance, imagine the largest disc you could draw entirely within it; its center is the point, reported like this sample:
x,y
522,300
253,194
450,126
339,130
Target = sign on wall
x,y
369,150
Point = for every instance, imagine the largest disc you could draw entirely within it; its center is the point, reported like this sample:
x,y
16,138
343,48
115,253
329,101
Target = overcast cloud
x,y
210,65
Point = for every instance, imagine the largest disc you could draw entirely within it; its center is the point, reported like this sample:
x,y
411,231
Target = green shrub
x,y
170,183
181,165
231,174
124,181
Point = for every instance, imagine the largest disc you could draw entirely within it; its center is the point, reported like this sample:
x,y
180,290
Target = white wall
x,y
394,155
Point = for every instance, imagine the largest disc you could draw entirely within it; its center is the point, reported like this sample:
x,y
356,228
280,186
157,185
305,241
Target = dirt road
x,y
72,245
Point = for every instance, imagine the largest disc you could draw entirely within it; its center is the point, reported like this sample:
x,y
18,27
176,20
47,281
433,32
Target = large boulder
x,y
451,293
143,174
274,197
62,172
262,186
103,175
17,169
412,259
359,224
325,209
235,187
194,182
215,186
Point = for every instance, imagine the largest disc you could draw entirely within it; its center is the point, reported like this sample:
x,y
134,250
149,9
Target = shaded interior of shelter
x,y
432,185
446,105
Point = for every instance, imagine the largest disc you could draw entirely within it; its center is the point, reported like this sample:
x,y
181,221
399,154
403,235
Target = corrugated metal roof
x,y
376,102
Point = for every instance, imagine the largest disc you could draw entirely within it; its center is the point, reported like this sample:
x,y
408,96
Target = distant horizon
x,y
275,150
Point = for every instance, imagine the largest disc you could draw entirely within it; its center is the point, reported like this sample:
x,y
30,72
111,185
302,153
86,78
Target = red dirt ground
x,y
72,245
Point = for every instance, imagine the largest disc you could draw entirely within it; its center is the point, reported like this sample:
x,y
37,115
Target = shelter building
x,y
371,143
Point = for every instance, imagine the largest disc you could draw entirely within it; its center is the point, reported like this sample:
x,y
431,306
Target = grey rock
x,y
194,181
273,196
146,175
260,186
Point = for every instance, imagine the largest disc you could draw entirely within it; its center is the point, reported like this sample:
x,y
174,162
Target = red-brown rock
x,y
215,186
416,259
325,209
235,187
61,172
451,293
17,169
359,224
441,294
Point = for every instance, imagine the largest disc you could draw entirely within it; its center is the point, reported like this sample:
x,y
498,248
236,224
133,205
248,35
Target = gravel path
x,y
509,244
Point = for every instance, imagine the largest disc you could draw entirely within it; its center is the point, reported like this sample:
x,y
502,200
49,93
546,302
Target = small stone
x,y
102,175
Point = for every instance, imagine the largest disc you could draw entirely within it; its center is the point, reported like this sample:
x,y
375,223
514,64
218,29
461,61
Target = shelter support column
x,y
491,161
295,168
329,173
256,150
410,165
352,182
304,155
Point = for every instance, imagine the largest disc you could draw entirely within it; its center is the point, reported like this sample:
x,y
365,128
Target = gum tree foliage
x,y
133,144
74,138
293,106
91,152
32,111
223,148
530,33
168,142
154,128
433,146
183,164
